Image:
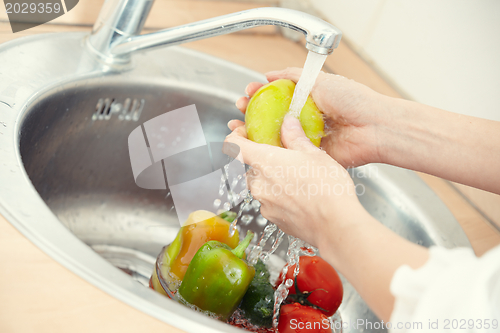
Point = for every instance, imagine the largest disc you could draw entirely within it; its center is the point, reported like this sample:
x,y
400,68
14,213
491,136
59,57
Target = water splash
x,y
296,248
256,251
312,67
280,295
247,199
274,247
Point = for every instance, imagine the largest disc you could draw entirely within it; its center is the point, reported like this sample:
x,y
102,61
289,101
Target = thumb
x,y
293,136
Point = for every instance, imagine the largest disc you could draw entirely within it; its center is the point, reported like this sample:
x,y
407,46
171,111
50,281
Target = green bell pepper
x,y
217,278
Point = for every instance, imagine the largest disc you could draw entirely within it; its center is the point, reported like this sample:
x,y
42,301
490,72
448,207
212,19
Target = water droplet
x,y
227,206
246,219
261,221
256,205
217,203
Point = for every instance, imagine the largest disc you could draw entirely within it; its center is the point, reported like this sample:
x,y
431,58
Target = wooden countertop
x,y
40,295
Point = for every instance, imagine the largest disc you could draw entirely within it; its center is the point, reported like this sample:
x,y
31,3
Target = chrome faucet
x,y
116,34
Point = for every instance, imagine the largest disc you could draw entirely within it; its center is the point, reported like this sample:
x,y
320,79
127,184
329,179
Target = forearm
x,y
459,148
368,254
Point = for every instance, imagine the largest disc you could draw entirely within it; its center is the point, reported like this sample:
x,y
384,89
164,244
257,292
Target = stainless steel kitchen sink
x,y
67,183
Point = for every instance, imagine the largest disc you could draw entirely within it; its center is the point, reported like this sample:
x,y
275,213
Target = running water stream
x,y
296,247
312,67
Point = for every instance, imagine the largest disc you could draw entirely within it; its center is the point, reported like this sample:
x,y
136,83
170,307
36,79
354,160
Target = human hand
x,y
311,196
353,114
301,188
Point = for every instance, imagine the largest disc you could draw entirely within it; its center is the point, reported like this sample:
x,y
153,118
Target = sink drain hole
x,y
131,109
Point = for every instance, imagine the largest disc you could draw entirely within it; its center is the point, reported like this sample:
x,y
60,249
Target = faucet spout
x,y
115,46
321,36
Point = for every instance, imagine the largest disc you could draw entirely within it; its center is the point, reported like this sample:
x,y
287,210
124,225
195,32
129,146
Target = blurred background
x,y
441,53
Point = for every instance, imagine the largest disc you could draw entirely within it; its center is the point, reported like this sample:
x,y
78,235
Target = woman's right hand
x,y
354,115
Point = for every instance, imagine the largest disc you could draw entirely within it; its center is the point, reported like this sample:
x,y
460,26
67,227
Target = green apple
x,y
267,109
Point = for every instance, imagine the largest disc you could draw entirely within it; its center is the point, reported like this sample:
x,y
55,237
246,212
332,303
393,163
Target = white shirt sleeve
x,y
454,291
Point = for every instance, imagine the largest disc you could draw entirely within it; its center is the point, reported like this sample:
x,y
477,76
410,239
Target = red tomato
x,y
318,285
296,318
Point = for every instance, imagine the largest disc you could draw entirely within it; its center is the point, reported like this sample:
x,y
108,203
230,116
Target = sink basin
x,y
67,183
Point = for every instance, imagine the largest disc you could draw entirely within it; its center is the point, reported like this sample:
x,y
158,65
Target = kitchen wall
x,y
443,53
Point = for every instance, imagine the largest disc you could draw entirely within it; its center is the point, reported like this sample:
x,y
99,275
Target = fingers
x,y
239,131
233,124
293,136
250,90
242,104
291,73
248,149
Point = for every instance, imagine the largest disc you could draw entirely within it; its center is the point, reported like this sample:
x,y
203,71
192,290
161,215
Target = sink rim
x,y
53,238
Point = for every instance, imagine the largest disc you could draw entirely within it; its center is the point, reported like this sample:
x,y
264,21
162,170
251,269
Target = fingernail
x,y
229,124
230,149
291,123
272,73
246,90
239,103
